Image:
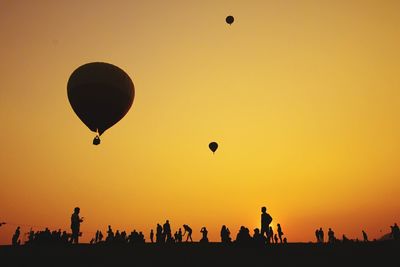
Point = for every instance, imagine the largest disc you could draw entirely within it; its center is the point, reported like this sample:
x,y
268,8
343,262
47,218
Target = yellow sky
x,y
303,98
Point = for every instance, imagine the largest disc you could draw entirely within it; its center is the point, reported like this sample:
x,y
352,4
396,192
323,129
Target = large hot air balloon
x,y
230,19
100,94
213,146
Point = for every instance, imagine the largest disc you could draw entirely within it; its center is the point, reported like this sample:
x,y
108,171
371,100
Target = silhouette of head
x,y
77,209
263,209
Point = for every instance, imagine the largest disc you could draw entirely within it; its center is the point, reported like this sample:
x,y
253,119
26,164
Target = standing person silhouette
x,y
180,235
365,236
188,230
270,235
225,234
266,219
331,236
75,225
151,236
159,233
167,231
395,233
280,233
321,235
15,238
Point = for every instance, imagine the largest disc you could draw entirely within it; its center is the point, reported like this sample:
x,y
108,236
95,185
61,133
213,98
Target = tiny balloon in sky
x,y
230,19
213,146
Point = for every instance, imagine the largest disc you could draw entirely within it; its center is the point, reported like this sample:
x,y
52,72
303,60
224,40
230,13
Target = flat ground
x,y
212,254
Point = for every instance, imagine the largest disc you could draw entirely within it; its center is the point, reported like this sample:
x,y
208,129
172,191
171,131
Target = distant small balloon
x,y
213,146
230,19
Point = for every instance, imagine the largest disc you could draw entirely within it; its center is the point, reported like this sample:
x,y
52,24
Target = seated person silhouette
x,y
204,238
225,234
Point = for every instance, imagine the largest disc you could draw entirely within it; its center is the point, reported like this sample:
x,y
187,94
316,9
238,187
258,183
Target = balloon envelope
x,y
230,19
100,94
213,146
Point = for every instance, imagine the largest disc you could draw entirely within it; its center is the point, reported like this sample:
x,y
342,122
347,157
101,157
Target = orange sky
x,y
302,96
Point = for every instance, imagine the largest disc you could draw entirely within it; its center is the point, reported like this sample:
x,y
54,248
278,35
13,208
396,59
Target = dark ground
x,y
213,254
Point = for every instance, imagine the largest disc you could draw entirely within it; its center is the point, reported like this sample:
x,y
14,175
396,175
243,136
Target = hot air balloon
x,y
213,147
230,19
100,94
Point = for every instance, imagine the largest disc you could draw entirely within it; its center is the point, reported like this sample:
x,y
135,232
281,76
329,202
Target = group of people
x,y
49,237
118,237
319,234
163,235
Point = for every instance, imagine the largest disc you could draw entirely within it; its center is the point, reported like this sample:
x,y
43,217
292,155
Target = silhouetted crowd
x,y
118,237
49,237
319,234
163,235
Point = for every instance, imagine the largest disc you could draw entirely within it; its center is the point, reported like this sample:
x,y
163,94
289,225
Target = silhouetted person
x,y
270,235
321,235
31,236
204,238
331,236
75,225
266,219
317,235
110,235
280,233
365,236
395,233
276,238
64,237
243,237
15,241
188,230
159,233
179,235
285,240
151,236
117,236
225,235
176,236
167,231
100,237
258,239
96,237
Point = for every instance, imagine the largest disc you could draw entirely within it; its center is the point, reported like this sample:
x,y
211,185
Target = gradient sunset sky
x,y
303,98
